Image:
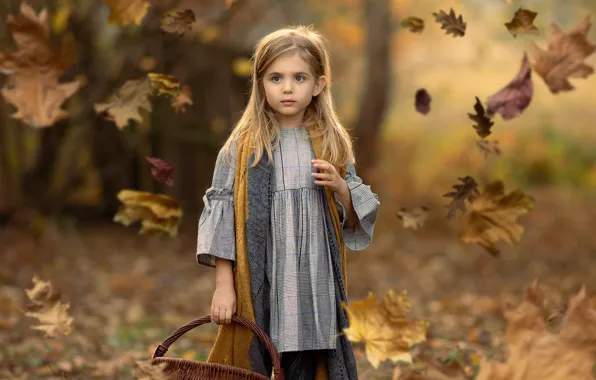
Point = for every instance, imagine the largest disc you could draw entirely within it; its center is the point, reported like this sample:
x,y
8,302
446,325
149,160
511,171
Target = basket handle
x,y
163,347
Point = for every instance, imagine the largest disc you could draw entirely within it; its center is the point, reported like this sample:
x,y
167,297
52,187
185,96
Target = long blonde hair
x,y
259,120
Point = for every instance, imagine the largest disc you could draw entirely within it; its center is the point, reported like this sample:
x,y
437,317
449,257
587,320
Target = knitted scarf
x,y
233,341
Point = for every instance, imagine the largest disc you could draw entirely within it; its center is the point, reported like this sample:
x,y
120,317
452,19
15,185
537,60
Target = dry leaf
x,y
183,99
162,170
537,354
47,308
146,370
422,101
489,147
124,12
452,25
34,69
522,22
414,218
125,103
483,123
493,217
162,84
514,98
158,213
466,190
178,22
415,24
564,57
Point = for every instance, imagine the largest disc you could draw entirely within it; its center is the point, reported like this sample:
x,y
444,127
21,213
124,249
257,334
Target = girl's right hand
x,y
223,305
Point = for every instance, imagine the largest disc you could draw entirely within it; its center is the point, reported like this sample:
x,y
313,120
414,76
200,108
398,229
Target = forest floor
x,y
128,292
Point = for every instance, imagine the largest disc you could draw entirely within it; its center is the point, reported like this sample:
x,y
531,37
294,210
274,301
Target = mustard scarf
x,y
233,341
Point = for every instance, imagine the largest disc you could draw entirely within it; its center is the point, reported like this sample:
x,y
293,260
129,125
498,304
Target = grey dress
x,y
299,268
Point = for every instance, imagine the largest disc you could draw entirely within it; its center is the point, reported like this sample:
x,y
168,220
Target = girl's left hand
x,y
328,176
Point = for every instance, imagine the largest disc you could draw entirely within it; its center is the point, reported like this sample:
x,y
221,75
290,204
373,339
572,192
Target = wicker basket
x,y
193,370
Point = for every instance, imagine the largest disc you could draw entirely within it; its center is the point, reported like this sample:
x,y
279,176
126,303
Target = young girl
x,y
284,203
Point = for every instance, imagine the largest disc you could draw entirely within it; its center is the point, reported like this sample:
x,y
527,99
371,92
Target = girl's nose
x,y
287,87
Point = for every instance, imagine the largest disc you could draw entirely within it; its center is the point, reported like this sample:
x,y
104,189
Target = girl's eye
x,y
275,79
300,78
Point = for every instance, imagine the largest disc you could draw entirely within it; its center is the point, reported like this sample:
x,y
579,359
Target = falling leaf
x,y
158,213
146,370
183,99
514,98
483,123
452,25
47,308
466,190
422,101
414,218
125,103
383,327
493,217
124,12
162,84
522,22
161,170
34,69
535,353
415,24
489,147
178,22
564,57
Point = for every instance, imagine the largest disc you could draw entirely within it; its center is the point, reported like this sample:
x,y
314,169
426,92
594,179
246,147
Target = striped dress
x,y
299,270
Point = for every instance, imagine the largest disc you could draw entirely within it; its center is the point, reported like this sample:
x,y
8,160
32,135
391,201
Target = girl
x,y
284,203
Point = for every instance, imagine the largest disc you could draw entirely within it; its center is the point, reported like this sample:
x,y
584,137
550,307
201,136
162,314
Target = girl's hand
x,y
329,177
223,305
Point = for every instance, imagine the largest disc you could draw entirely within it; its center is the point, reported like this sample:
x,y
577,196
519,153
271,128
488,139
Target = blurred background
x,y
59,184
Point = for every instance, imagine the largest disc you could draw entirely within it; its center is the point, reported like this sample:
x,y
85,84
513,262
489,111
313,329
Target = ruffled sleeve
x,y
216,233
366,204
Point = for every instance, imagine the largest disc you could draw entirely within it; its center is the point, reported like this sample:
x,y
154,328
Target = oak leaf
x,y
422,101
125,103
483,123
493,217
466,190
163,84
47,308
183,99
158,213
161,170
453,25
413,218
515,97
564,57
522,22
383,327
177,22
124,12
414,24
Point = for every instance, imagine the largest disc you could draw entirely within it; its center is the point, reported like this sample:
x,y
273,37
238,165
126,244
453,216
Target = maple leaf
x,y
452,25
483,123
47,308
146,370
522,22
125,103
534,353
422,101
564,57
489,147
124,12
494,217
466,190
158,213
34,69
414,218
162,170
183,99
163,84
176,22
414,24
514,98
383,327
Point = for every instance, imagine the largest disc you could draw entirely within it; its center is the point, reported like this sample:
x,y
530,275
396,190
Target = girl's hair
x,y
259,121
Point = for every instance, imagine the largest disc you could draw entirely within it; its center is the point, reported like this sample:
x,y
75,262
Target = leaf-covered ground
x,y
128,292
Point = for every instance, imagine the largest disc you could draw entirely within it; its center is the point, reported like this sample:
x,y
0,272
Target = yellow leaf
x,y
178,22
383,327
60,17
123,12
158,213
163,84
125,103
52,315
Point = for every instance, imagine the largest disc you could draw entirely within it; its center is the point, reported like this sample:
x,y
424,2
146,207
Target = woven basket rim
x,y
195,363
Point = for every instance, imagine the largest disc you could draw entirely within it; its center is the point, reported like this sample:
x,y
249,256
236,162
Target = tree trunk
x,y
377,85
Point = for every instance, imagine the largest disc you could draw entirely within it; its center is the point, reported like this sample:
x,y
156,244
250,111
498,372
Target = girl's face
x,y
290,86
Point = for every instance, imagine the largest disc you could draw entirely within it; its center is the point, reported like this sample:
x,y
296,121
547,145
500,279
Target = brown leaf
x,y
494,217
163,84
124,12
514,98
522,22
47,308
414,24
183,99
162,170
176,22
414,218
125,103
461,193
452,25
422,101
489,147
483,123
564,57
